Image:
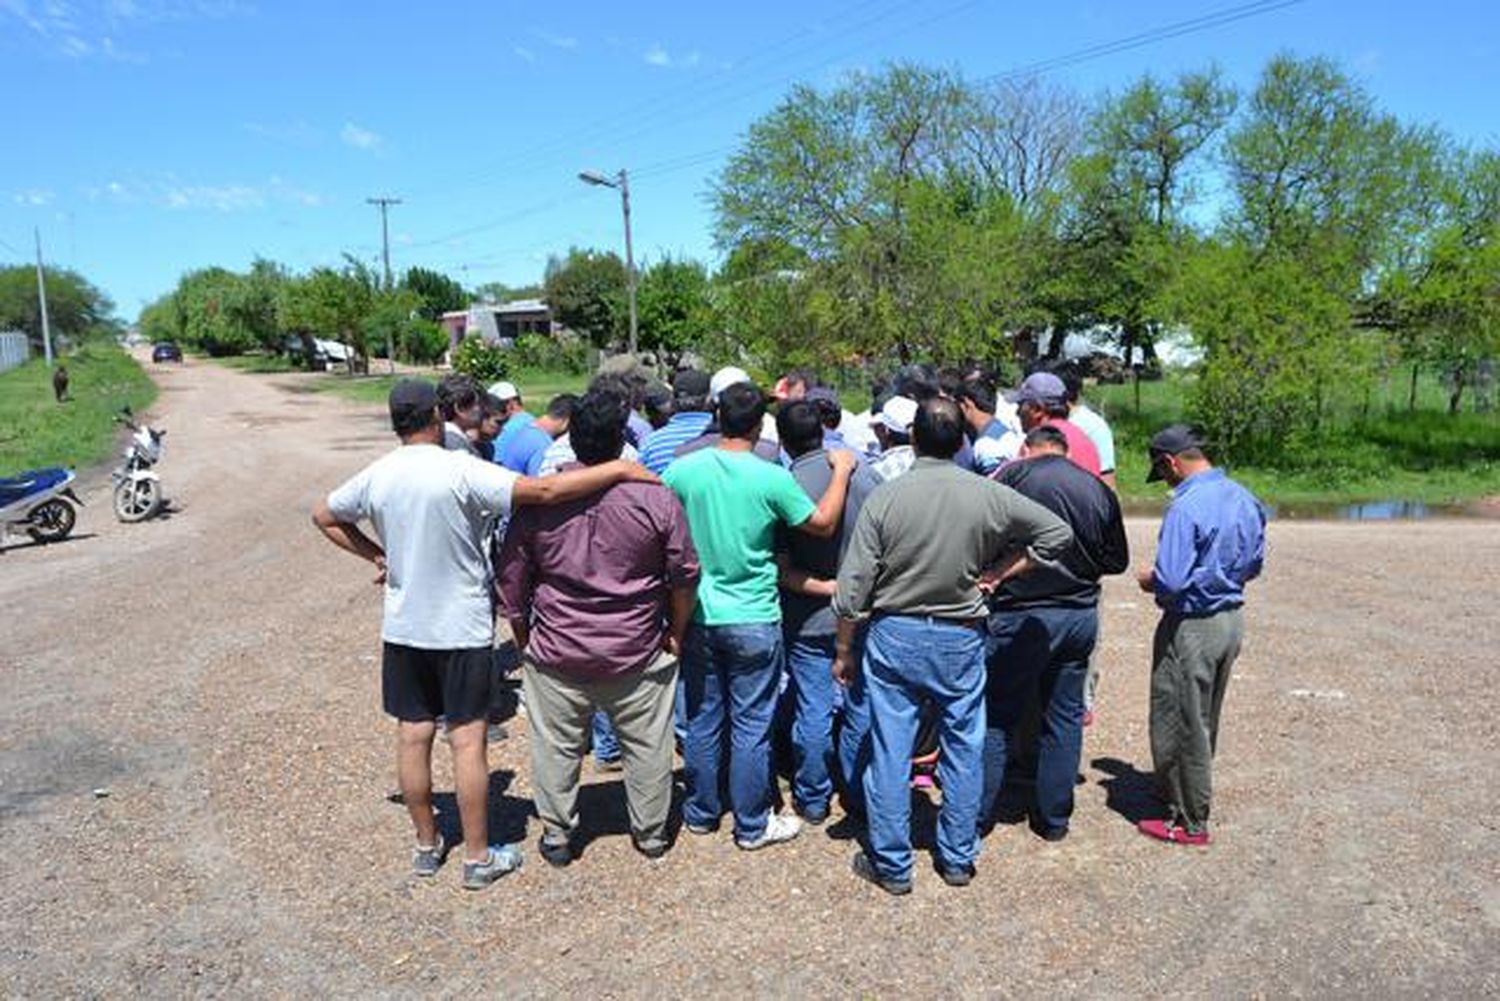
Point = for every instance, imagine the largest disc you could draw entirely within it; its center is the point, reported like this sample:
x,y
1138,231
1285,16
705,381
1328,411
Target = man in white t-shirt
x,y
431,509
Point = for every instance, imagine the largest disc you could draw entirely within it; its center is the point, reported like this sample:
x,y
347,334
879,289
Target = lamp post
x,y
621,181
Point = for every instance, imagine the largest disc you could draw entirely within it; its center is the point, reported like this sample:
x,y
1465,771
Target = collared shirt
x,y
525,450
996,445
454,439
1080,447
514,423
1099,433
805,614
560,453
591,577
637,429
432,509
893,462
661,445
922,541
1212,540
1099,547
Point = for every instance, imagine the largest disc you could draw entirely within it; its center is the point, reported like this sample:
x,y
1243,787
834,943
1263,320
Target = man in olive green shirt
x,y
925,548
733,653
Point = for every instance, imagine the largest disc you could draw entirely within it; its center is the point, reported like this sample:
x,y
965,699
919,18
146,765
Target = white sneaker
x,y
779,828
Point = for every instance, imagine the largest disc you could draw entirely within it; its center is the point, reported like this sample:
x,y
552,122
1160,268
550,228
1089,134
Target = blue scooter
x,y
40,503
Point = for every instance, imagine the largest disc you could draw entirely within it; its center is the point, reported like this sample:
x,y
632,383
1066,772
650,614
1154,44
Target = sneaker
x,y
923,780
556,854
865,870
958,875
426,861
1088,717
1053,834
500,860
813,815
494,733
653,852
779,828
700,829
1165,830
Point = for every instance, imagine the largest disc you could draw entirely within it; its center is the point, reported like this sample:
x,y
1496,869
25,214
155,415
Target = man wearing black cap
x,y
432,509
1212,541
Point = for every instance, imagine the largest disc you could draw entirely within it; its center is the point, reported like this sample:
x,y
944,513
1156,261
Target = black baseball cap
x,y
1170,441
412,403
690,383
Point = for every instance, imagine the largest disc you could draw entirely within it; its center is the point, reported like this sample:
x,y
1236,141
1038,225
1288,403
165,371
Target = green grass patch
x,y
256,364
536,386
37,431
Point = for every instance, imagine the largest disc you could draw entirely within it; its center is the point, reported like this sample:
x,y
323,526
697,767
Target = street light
x,y
621,181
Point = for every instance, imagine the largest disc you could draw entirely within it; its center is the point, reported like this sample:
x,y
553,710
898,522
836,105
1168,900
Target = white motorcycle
x,y
38,503
137,489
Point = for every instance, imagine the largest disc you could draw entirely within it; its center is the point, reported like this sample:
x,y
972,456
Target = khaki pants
x,y
559,709
1191,658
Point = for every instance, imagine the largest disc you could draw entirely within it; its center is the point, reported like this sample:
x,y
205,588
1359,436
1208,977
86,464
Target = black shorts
x,y
419,685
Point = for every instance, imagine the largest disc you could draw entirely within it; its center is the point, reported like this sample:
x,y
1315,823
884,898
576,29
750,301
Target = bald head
x,y
938,431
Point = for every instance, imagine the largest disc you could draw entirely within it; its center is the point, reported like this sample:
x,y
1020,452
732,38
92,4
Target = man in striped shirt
x,y
691,415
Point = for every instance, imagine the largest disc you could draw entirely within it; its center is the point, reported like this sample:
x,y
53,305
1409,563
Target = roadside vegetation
x,y
37,431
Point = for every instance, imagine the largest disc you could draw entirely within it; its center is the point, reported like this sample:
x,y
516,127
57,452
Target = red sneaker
x,y
1165,830
1088,717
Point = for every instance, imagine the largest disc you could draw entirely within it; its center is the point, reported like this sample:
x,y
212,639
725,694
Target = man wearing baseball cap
x,y
513,413
1043,399
1212,541
432,509
892,426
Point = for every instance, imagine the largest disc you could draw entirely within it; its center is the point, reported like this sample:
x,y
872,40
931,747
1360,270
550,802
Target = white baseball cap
x,y
723,379
898,414
505,391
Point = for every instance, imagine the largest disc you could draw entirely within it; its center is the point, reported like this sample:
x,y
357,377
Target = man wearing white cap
x,y
731,375
512,414
892,425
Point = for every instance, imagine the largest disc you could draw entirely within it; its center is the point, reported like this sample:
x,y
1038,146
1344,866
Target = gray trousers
x,y
559,710
1191,658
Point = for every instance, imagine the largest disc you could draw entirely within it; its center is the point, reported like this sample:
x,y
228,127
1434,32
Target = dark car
x,y
166,351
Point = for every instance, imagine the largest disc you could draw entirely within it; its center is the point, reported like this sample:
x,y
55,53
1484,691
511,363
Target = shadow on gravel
x,y
1128,791
33,544
508,814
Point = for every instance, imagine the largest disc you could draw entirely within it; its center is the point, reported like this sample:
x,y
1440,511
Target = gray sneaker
x,y
500,860
427,861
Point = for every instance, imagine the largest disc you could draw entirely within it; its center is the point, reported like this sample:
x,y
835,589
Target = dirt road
x,y
215,674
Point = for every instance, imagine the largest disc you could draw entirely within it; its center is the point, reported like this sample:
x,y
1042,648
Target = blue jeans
x,y
606,744
813,695
730,674
1041,655
854,744
911,661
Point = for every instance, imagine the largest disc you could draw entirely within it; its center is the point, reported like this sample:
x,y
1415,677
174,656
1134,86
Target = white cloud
x,y
219,198
76,30
33,197
556,41
360,138
659,56
525,54
169,192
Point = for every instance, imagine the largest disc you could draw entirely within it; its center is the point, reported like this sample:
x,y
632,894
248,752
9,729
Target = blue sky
x,y
149,137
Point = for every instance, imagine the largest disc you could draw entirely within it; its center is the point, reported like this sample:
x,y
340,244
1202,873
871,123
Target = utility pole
x,y
629,256
385,252
41,294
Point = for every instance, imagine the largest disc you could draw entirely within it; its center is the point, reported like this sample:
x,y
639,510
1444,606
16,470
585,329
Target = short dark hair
x,y
742,408
563,406
829,412
596,428
801,376
1047,436
1071,375
979,393
950,381
612,382
938,430
800,427
1055,408
458,391
917,382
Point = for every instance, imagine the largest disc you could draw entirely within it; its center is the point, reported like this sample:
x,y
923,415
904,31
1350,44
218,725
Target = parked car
x,y
166,351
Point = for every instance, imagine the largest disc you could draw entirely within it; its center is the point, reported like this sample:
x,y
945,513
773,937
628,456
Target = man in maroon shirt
x,y
599,594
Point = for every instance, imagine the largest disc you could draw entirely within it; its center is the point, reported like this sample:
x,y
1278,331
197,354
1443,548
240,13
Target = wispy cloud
x,y
657,55
524,53
360,137
1367,63
33,197
170,192
555,40
89,30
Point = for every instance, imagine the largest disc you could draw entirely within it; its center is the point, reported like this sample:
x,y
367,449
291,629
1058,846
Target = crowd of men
x,y
904,596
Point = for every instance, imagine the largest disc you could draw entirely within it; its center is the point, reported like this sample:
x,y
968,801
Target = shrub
x,y
480,358
541,352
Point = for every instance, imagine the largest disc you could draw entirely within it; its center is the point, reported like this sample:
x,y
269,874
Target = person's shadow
x,y
1128,791
508,814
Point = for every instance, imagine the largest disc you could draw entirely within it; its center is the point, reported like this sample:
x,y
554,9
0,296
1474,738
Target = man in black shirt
x,y
1042,628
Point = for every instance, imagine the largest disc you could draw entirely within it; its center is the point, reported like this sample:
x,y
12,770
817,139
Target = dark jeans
x,y
1038,655
813,697
730,674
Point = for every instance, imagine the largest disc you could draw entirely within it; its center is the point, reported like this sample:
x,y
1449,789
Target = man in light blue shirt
x,y
524,452
1091,423
690,419
1212,542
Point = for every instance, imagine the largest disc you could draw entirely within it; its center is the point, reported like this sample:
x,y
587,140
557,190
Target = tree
x,y
482,359
330,303
75,308
676,311
436,292
587,293
210,302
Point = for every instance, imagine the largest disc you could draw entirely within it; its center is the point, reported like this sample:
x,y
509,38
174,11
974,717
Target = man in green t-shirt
x,y
732,658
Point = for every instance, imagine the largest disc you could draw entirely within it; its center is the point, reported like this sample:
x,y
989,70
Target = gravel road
x,y
194,769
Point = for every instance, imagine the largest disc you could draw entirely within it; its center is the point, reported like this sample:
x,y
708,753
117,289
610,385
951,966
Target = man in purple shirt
x,y
599,595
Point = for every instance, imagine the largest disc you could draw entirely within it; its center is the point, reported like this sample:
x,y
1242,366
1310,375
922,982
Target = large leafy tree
x,y
75,307
331,303
587,293
436,293
675,309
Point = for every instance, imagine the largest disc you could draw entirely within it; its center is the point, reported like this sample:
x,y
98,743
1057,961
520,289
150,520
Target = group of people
x,y
908,594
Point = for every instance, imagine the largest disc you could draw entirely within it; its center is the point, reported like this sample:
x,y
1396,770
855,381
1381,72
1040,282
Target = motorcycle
x,y
137,489
40,503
